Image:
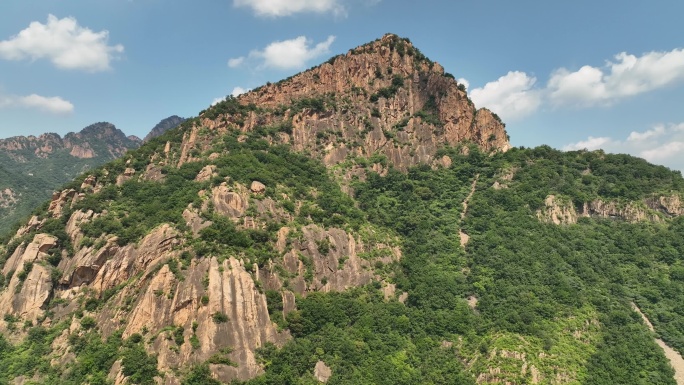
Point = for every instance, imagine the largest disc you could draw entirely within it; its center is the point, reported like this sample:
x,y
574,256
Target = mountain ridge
x,y
37,165
366,225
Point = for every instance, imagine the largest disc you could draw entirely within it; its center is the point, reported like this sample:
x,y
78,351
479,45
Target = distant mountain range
x,y
32,167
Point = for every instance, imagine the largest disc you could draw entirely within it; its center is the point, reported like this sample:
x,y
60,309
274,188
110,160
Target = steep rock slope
x,y
358,223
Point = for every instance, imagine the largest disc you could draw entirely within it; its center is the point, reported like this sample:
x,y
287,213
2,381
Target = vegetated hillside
x,y
341,235
163,126
32,168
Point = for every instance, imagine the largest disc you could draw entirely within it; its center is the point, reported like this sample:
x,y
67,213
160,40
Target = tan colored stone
x,y
195,221
229,203
322,372
257,187
206,173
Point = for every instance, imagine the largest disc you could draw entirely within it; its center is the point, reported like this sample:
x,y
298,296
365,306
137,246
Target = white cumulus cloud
x,y
279,8
512,96
648,134
54,104
516,94
236,62
662,144
237,91
65,43
287,54
465,83
664,152
591,143
626,76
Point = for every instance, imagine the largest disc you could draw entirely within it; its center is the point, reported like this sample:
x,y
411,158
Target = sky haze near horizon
x,y
571,75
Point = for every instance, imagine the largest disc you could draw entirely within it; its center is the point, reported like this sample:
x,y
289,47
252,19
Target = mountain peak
x,y
384,97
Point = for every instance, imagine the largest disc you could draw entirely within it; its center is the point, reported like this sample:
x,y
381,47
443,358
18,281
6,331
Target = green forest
x,y
559,294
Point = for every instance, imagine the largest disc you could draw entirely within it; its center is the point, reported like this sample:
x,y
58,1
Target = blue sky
x,y
580,74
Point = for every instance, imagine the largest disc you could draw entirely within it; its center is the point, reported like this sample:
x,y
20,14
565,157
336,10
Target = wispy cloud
x,y
279,8
65,43
285,54
662,143
591,143
54,104
237,91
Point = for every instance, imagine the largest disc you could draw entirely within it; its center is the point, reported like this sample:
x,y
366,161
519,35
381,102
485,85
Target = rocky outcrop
x,y
230,201
194,221
216,303
8,198
258,187
560,210
206,173
630,211
59,200
322,372
557,211
325,260
83,151
669,205
126,176
30,283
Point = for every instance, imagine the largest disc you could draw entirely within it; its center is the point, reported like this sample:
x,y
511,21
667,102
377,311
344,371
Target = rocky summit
x,y
361,222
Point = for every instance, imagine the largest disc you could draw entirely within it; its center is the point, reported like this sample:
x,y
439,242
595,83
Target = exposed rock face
x,y
59,199
30,284
557,211
206,173
126,176
8,198
83,151
195,221
335,264
322,372
383,97
560,210
631,211
230,203
670,205
257,187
